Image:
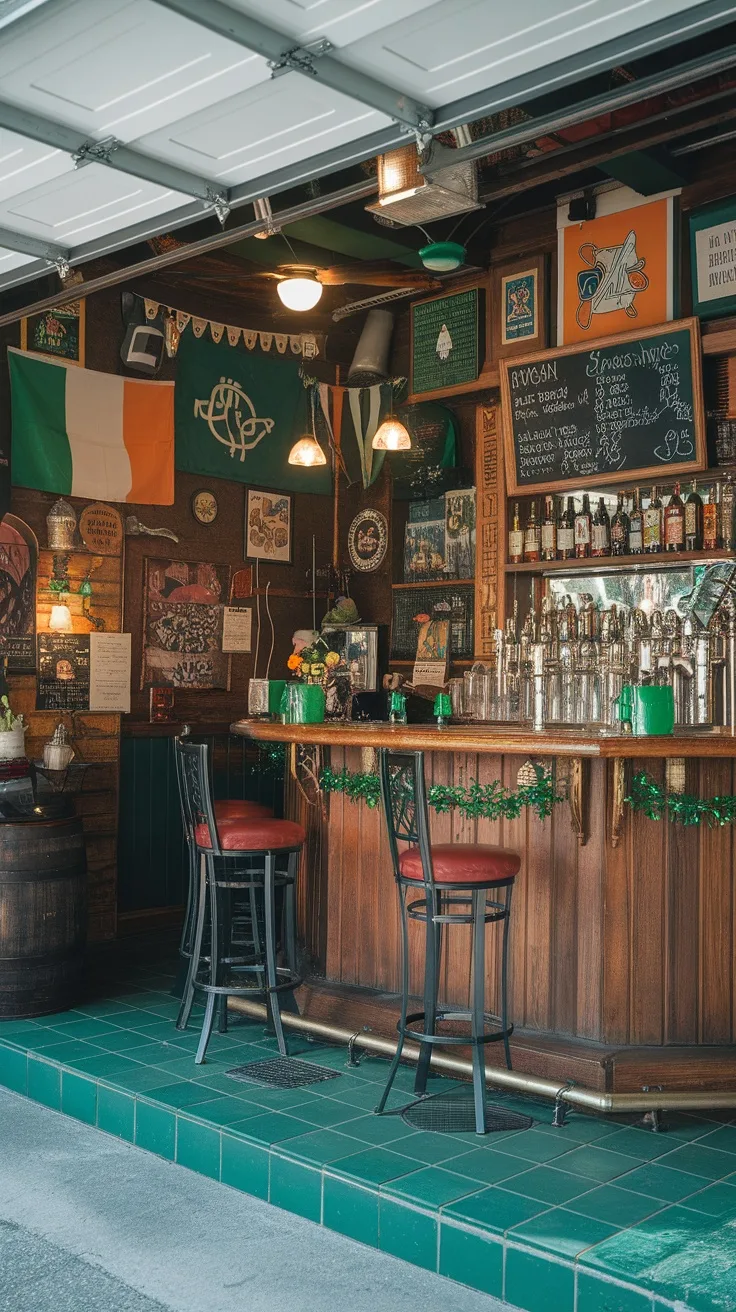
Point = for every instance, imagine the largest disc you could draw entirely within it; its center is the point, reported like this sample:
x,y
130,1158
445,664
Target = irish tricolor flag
x,y
90,434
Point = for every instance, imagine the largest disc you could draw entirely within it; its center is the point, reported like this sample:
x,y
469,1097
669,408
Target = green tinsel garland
x,y
655,803
271,760
477,801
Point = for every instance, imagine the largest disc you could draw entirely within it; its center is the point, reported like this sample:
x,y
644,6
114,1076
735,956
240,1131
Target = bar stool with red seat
x,y
459,884
230,809
238,854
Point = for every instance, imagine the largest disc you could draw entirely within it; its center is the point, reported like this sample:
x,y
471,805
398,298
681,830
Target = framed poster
x,y
616,272
182,624
18,564
446,345
519,307
713,259
269,526
63,672
57,332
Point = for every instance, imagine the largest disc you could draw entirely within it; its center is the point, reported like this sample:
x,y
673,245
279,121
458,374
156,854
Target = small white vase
x,y
13,743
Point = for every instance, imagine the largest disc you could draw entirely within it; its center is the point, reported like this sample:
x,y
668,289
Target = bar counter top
x,y
491,738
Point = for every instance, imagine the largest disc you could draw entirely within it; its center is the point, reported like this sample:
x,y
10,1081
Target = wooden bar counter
x,y
622,933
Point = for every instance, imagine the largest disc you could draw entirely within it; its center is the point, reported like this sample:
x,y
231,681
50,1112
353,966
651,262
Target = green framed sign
x,y
713,259
445,341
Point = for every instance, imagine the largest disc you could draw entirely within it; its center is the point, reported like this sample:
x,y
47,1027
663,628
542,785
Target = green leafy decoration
x,y
648,798
477,801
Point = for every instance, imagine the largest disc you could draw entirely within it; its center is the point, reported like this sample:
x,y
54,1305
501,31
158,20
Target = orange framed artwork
x,y
616,271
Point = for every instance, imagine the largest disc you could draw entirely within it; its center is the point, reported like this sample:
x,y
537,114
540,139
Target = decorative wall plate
x,y
368,540
204,506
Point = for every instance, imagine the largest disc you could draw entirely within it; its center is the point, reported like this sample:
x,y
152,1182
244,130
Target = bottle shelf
x,y
666,559
436,583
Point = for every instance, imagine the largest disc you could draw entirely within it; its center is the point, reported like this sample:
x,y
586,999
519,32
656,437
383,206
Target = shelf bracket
x,y
572,773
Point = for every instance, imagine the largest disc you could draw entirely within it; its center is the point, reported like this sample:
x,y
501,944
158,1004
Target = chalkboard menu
x,y
445,346
627,405
63,672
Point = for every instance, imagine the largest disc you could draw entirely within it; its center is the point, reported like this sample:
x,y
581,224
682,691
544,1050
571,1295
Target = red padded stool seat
x,y
257,835
462,863
231,809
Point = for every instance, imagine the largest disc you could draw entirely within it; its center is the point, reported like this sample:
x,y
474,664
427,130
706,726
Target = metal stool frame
x,y
223,870
404,798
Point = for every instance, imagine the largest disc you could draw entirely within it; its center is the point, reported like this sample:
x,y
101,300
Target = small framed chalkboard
x,y
447,340
624,407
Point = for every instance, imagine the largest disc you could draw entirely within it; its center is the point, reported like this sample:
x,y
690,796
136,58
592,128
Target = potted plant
x,y
12,733
324,679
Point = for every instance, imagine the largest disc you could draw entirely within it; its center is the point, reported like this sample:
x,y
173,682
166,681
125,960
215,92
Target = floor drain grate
x,y
282,1073
455,1114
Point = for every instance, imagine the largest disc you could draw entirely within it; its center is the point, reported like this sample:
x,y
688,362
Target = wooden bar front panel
x,y
626,945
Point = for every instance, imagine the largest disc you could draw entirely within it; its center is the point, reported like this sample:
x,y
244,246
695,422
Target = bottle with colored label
x,y
516,538
694,519
652,525
674,522
636,526
549,530
601,531
566,530
710,522
583,525
620,529
532,535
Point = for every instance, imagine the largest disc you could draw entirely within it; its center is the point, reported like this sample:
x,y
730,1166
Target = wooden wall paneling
x,y
515,837
354,913
336,804
458,941
584,891
616,930
683,940
716,912
387,906
562,875
491,832
440,769
542,919
489,603
648,882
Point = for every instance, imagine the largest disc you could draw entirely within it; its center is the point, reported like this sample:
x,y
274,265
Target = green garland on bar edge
x,y
477,801
656,803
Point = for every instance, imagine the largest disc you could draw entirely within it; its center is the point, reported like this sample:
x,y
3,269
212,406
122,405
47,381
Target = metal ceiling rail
x,y
557,120
637,44
10,240
110,152
314,60
316,205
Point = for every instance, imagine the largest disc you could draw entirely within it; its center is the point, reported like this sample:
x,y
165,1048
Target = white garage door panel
x,y
463,46
109,68
269,126
87,203
25,164
341,21
13,260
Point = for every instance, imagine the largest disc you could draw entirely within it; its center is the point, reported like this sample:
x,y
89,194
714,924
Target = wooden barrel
x,y
43,916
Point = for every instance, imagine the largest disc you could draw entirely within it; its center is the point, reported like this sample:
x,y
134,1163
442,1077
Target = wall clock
x,y
204,506
368,540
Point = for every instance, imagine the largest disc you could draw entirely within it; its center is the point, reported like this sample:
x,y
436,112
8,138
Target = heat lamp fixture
x,y
307,451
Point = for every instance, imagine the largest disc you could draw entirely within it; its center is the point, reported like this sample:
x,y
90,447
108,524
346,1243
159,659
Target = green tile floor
x,y
599,1216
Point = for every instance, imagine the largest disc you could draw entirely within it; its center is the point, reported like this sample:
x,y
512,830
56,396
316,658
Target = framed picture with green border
x,y
57,332
713,259
447,340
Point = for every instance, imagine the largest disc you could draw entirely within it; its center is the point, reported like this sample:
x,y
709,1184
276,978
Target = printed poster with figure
x,y
616,271
182,624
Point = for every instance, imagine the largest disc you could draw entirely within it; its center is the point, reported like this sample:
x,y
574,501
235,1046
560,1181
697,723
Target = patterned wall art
x,y
182,626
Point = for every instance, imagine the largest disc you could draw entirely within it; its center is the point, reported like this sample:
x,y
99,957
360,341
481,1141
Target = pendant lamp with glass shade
x,y
299,293
307,451
391,435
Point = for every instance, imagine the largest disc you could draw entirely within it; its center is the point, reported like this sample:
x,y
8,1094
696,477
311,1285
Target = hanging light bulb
x,y
299,293
307,451
391,436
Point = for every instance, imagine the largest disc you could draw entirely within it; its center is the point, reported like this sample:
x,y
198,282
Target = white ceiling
x,y
193,108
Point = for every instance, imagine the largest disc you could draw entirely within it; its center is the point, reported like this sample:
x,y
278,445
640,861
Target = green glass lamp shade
x,y
442,256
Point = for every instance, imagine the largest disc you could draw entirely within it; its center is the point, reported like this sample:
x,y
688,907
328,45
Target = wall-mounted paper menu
x,y
109,672
236,628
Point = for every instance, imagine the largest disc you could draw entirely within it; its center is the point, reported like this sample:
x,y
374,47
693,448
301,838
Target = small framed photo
x,y
519,310
269,526
57,332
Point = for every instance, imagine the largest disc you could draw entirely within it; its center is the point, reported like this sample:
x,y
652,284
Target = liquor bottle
x,y
532,535
583,524
710,522
694,519
566,530
620,529
636,539
549,530
674,522
601,532
652,524
516,538
726,513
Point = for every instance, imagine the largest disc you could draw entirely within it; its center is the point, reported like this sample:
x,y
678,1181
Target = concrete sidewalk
x,y
91,1224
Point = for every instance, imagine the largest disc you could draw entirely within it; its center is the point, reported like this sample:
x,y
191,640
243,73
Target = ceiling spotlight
x,y
299,293
391,436
442,256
